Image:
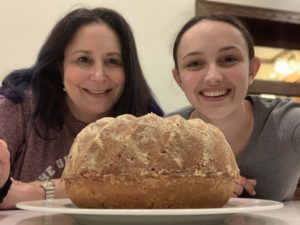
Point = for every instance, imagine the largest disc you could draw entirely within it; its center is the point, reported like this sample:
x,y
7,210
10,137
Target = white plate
x,y
90,216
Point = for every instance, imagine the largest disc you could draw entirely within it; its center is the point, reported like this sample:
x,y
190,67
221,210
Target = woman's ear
x,y
176,76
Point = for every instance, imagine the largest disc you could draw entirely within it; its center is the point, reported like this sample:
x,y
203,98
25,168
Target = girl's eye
x,y
228,60
194,65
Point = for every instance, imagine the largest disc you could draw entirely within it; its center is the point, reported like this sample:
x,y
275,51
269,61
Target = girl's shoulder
x,y
276,115
273,105
184,112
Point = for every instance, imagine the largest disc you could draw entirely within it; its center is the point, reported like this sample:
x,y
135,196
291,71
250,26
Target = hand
x,y
4,163
20,192
244,184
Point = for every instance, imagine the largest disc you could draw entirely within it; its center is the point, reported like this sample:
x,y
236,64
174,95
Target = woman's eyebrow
x,y
81,51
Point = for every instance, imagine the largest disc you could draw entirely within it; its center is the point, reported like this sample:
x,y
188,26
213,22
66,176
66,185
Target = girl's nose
x,y
213,75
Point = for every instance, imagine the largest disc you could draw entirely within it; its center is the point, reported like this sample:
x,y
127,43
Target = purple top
x,y
32,157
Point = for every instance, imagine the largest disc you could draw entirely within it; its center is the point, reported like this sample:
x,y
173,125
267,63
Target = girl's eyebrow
x,y
192,54
228,48
201,53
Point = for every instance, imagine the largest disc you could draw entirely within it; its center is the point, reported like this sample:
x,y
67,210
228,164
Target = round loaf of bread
x,y
150,162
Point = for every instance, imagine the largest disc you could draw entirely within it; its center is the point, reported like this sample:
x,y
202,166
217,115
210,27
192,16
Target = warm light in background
x,y
281,66
278,64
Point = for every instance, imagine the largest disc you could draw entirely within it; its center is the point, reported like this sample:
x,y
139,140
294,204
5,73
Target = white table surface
x,y
288,215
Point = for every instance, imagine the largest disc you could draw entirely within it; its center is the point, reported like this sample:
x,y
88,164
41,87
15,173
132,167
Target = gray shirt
x,y
272,156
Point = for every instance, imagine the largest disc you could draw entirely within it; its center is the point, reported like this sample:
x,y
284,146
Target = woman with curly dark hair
x,y
87,69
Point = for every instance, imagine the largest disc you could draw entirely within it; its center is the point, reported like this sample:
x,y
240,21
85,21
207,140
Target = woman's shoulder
x,y
184,112
7,102
26,105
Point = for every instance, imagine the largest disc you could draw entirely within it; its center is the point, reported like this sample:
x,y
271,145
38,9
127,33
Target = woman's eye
x,y
113,62
84,60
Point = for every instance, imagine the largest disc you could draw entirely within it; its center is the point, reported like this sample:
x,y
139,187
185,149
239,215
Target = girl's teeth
x,y
214,93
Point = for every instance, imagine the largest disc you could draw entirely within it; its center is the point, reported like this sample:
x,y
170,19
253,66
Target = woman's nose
x,y
98,73
213,75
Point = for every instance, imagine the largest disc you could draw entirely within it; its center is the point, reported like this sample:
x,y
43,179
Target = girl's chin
x,y
215,113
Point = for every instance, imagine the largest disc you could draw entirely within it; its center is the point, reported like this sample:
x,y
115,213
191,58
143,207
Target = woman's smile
x,y
97,92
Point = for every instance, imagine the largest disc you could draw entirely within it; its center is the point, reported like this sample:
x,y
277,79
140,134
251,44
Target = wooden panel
x,y
204,7
275,88
269,27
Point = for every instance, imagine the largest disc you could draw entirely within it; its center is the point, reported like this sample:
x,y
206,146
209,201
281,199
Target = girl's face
x,y
214,69
93,71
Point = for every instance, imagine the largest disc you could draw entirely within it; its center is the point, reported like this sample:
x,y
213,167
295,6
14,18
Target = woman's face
x,y
94,76
214,69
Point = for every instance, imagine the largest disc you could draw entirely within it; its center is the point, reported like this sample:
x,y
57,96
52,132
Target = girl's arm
x,y
244,184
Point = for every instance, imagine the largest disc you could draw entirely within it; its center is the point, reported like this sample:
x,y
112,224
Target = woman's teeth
x,y
97,92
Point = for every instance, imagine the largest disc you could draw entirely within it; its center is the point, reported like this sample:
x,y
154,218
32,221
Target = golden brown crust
x,y
149,192
150,162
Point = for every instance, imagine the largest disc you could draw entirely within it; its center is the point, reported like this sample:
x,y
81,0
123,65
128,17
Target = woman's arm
x,y
20,192
5,181
4,163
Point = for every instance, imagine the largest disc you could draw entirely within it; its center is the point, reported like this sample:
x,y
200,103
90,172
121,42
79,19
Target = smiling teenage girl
x,y
214,65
